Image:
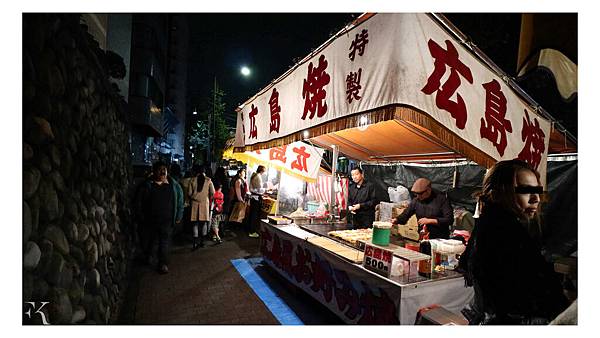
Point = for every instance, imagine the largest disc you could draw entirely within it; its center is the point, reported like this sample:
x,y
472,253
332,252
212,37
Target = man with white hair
x,y
432,208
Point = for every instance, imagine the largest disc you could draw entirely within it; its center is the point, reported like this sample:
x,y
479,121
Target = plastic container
x,y
381,233
312,206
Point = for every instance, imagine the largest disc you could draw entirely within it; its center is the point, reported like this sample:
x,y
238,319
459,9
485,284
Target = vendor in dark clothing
x,y
432,208
361,200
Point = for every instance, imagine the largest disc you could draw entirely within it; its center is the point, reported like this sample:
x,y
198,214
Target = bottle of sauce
x,y
425,266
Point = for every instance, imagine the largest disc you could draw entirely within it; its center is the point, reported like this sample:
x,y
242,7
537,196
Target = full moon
x,y
245,71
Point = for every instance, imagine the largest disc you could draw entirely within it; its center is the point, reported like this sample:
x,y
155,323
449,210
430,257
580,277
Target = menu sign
x,y
378,260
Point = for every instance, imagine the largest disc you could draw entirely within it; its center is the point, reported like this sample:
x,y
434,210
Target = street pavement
x,y
204,287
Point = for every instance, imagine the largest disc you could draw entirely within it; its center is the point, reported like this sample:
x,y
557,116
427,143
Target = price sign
x,y
378,260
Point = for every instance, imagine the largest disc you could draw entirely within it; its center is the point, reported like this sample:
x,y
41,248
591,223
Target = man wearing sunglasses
x,y
432,208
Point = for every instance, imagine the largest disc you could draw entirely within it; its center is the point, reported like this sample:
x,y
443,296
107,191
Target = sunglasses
x,y
527,189
419,193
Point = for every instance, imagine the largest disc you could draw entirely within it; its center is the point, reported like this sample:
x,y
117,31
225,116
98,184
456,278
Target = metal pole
x,y
334,160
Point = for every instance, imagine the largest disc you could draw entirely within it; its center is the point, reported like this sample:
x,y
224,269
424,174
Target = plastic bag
x,y
398,194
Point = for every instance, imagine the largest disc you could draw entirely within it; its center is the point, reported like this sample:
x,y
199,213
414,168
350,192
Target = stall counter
x,y
353,293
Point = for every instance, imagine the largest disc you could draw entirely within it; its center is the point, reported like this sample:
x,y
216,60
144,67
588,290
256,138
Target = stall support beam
x,y
334,160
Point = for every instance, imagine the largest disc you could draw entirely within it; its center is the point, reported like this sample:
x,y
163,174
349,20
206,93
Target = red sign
x,y
278,154
313,91
533,136
353,86
300,162
358,44
252,115
449,58
275,109
378,260
495,126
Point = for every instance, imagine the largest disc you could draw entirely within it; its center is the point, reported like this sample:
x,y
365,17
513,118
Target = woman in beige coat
x,y
201,191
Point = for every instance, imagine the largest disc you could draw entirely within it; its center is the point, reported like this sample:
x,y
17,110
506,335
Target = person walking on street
x,y
160,207
237,198
201,192
185,183
217,212
257,190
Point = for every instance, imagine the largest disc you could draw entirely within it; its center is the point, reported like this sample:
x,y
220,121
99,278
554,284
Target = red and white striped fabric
x,y
321,190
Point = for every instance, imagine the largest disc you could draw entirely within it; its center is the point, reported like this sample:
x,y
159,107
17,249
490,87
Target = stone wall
x,y
76,172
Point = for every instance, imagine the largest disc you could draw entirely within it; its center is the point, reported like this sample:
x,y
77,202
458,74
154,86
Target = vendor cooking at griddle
x,y
433,210
361,200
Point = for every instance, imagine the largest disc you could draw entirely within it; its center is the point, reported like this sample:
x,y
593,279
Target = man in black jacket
x,y
361,200
432,208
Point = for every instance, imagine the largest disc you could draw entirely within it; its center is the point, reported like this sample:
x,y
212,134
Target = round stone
x,y
77,254
44,163
54,153
40,288
48,200
78,315
26,222
27,152
93,280
41,131
71,231
60,307
31,181
55,269
91,253
71,209
83,232
32,256
58,239
58,181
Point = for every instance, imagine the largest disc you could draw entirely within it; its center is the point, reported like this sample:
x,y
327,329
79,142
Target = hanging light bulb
x,y
363,123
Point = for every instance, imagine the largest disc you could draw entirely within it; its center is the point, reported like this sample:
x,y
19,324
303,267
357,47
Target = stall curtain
x,y
321,190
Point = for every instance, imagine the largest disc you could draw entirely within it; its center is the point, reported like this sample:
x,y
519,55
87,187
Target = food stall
x,y
388,87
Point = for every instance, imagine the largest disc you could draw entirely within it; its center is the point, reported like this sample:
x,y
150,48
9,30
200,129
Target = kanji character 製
x,y
313,91
300,162
359,43
252,116
534,146
353,86
275,110
494,126
448,58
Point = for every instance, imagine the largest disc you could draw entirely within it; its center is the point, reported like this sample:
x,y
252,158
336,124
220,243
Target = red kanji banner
x,y
408,59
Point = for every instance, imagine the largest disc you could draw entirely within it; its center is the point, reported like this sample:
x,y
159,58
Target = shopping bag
x,y
238,213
